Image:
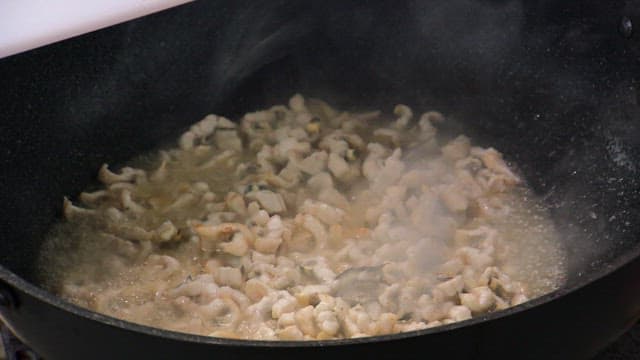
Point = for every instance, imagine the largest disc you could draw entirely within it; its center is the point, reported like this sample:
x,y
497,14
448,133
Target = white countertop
x,y
27,24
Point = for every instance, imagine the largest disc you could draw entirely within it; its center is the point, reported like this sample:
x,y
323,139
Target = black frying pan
x,y
552,84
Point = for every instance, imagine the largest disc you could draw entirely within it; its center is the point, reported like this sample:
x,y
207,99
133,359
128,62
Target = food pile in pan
x,y
302,222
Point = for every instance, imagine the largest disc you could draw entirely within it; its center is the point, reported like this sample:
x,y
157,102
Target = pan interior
x,y
557,93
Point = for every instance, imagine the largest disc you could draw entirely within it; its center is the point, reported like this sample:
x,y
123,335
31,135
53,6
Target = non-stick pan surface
x,y
552,84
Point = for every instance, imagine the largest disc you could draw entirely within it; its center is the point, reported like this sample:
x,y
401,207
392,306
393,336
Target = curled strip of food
x,y
492,159
451,287
321,180
229,276
270,242
236,203
312,164
228,139
114,215
256,289
333,197
163,266
224,311
315,227
198,131
391,171
161,173
127,174
374,161
459,313
388,136
290,332
121,186
297,103
428,119
338,166
457,149
285,304
122,247
237,246
128,204
281,181
74,212
405,114
166,231
233,238
288,147
272,202
218,159
94,198
181,202
132,232
326,317
202,287
324,212
305,321
479,300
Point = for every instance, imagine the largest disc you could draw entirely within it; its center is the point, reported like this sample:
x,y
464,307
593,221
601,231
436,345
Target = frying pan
x,y
552,84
